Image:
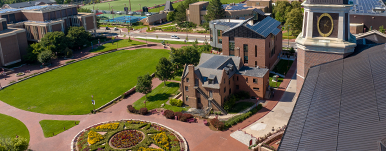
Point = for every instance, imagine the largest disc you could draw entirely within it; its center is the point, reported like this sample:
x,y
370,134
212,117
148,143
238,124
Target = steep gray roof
x,y
265,27
168,6
30,3
342,105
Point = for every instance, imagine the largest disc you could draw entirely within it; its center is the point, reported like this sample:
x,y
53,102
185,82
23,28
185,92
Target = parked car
x,y
107,28
174,37
115,28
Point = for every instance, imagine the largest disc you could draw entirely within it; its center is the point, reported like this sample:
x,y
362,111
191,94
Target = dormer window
x,y
210,81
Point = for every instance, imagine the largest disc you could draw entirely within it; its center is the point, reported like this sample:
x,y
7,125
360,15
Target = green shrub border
x,y
239,118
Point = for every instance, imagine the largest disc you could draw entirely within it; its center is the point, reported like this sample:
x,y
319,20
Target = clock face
x,y
325,25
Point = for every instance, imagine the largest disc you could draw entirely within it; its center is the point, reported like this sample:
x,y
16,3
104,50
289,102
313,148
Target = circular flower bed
x,y
135,135
126,139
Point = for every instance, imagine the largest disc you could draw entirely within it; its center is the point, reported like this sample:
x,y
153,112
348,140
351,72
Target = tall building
x,y
325,35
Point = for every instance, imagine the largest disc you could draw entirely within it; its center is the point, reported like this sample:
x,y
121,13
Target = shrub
x,y
108,126
239,118
176,102
230,102
169,114
242,95
131,109
143,111
17,144
217,123
185,116
178,114
68,52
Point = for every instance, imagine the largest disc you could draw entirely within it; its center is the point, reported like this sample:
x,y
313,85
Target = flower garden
x,y
135,135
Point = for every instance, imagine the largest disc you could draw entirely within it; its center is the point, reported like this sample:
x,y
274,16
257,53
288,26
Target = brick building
x,y
13,44
325,35
197,10
32,23
216,77
258,44
366,15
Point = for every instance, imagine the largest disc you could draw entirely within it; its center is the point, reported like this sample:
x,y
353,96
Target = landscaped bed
x,y
274,84
68,90
135,135
283,66
241,106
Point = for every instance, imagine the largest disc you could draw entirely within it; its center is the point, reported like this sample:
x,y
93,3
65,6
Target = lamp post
x,y
288,36
93,103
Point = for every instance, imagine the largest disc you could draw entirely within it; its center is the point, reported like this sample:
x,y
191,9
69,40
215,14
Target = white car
x,y
174,37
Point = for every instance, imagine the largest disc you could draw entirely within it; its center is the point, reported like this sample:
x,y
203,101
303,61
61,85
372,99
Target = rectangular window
x,y
219,36
256,89
186,88
255,51
231,48
187,98
225,89
272,45
211,35
246,79
237,87
237,78
187,79
4,25
196,82
230,91
245,53
254,80
224,81
229,81
255,63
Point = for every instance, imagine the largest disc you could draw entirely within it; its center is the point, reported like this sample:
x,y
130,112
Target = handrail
x,y
211,100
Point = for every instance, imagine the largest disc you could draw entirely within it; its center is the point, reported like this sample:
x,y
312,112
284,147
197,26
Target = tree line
x,y
290,15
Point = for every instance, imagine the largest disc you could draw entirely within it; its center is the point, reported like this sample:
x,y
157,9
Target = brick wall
x,y
307,59
249,86
10,49
56,27
90,23
23,44
33,16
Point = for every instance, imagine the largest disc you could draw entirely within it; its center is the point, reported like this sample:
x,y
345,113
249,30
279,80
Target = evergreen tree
x,y
382,29
214,10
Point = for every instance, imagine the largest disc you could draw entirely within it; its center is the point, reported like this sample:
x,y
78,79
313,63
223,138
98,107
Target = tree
x,y
295,21
185,55
14,144
56,41
79,36
180,14
45,56
170,16
281,9
382,29
164,70
59,1
67,1
296,4
144,84
214,10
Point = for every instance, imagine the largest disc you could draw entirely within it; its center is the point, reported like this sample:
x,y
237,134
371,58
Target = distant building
x,y
258,42
13,44
366,15
216,77
197,10
28,4
35,21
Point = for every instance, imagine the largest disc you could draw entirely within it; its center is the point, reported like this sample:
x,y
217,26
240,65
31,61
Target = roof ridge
x,y
361,35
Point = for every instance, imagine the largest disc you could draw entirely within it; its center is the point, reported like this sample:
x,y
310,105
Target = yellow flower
x,y
108,126
94,137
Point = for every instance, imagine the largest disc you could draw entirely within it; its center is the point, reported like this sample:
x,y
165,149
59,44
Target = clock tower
x,y
325,35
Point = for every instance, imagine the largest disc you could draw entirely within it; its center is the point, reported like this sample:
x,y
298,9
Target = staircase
x,y
211,100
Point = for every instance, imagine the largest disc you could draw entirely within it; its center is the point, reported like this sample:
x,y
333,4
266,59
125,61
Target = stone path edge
x,y
183,138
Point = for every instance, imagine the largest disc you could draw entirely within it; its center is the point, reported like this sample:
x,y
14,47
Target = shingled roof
x,y
168,6
30,3
342,105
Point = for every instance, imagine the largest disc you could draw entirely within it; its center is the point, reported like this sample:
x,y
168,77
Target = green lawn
x,y
121,43
273,84
68,90
283,66
158,96
285,36
175,5
120,4
239,107
166,41
10,127
54,127
175,108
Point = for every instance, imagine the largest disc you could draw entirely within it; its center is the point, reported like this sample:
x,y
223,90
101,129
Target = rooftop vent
x,y
226,70
230,66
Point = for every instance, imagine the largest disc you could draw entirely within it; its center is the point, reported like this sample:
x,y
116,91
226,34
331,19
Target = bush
x,y
239,118
132,109
68,52
169,114
217,123
178,114
45,56
185,116
143,111
230,102
176,102
242,95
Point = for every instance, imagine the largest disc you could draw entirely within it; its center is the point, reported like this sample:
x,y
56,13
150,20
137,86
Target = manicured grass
x,y
273,84
158,96
121,43
166,25
68,90
10,127
167,41
175,5
283,66
120,4
175,108
285,36
54,127
239,107
139,27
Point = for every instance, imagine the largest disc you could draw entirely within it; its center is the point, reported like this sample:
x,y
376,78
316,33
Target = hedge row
x,y
142,111
239,118
181,116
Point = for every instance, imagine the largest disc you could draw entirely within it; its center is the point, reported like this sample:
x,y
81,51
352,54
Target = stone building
x,y
216,77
